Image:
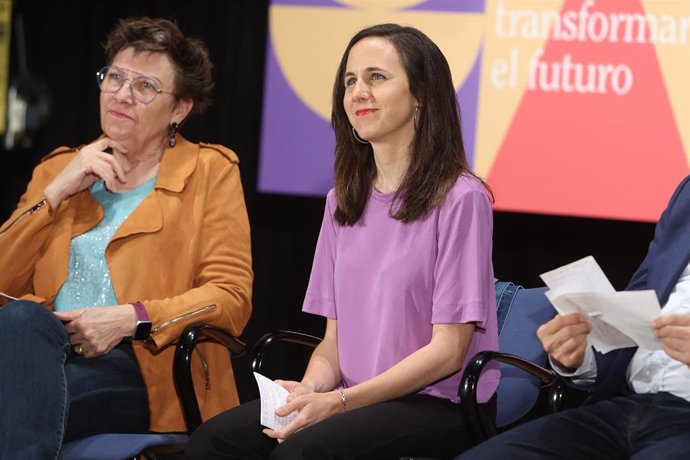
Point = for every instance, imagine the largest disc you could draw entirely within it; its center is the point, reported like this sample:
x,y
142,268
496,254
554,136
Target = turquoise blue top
x,y
88,281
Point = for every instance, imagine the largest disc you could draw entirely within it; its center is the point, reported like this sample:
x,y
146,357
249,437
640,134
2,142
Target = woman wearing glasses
x,y
135,235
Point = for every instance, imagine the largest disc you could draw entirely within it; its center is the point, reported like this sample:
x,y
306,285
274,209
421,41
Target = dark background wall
x,y
63,49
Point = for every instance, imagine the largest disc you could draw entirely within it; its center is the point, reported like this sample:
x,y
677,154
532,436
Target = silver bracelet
x,y
343,401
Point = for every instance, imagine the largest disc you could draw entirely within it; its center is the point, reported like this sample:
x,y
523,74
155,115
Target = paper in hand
x,y
272,397
584,275
618,319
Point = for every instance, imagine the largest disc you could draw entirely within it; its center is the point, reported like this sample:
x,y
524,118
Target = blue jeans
x,y
49,395
637,426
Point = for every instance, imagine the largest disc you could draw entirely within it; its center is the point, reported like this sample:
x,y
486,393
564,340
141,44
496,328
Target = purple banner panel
x,y
297,144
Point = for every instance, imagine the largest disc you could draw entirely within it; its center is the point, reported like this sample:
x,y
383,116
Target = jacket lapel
x,y
176,166
673,252
87,213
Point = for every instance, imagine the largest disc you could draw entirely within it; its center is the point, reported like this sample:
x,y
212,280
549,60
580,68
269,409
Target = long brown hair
x,y
437,151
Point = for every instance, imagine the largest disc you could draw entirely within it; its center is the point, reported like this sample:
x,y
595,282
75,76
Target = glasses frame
x,y
100,76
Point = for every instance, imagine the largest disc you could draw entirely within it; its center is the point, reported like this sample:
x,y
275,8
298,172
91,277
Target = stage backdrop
x,y
571,107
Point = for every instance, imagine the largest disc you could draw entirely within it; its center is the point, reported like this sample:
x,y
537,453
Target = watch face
x,y
143,330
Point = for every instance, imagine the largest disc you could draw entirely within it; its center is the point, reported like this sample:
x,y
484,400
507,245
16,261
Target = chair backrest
x,y
520,312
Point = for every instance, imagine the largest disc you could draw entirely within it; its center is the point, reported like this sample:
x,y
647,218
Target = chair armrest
x,y
182,365
470,380
264,344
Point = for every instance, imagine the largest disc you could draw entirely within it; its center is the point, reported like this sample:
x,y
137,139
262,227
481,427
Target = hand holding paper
x,y
565,339
272,397
674,330
618,319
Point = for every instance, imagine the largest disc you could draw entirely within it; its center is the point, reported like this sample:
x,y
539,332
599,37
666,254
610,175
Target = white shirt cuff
x,y
585,374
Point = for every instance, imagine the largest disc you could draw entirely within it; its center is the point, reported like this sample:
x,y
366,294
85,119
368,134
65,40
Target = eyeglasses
x,y
143,89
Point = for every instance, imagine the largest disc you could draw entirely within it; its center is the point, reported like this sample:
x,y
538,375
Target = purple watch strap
x,y
139,308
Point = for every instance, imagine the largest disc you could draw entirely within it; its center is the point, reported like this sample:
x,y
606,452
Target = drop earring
x,y
172,131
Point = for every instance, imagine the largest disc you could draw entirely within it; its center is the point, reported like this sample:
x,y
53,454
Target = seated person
x,y
402,272
641,397
137,234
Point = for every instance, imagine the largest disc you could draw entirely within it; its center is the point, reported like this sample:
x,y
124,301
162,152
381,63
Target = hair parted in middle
x,y
437,153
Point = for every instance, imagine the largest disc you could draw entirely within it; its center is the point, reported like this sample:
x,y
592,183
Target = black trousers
x,y
414,425
638,426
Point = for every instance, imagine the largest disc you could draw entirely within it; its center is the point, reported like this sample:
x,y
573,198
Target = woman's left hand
x,y
95,331
295,388
311,408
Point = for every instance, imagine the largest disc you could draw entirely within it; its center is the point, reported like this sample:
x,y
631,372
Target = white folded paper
x,y
272,397
618,319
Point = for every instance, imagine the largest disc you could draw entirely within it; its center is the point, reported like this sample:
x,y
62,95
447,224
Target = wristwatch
x,y
143,327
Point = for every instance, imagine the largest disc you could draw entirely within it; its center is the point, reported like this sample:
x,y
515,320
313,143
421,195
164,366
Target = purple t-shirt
x,y
386,283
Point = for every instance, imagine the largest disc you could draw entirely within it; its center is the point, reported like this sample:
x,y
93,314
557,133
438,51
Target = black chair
x,y
121,446
527,388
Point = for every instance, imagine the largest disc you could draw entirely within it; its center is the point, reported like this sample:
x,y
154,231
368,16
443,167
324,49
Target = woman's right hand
x,y
91,163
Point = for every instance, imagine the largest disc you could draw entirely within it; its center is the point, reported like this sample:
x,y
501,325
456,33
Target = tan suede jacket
x,y
184,252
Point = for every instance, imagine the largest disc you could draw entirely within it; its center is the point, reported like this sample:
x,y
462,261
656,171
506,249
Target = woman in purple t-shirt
x,y
402,272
